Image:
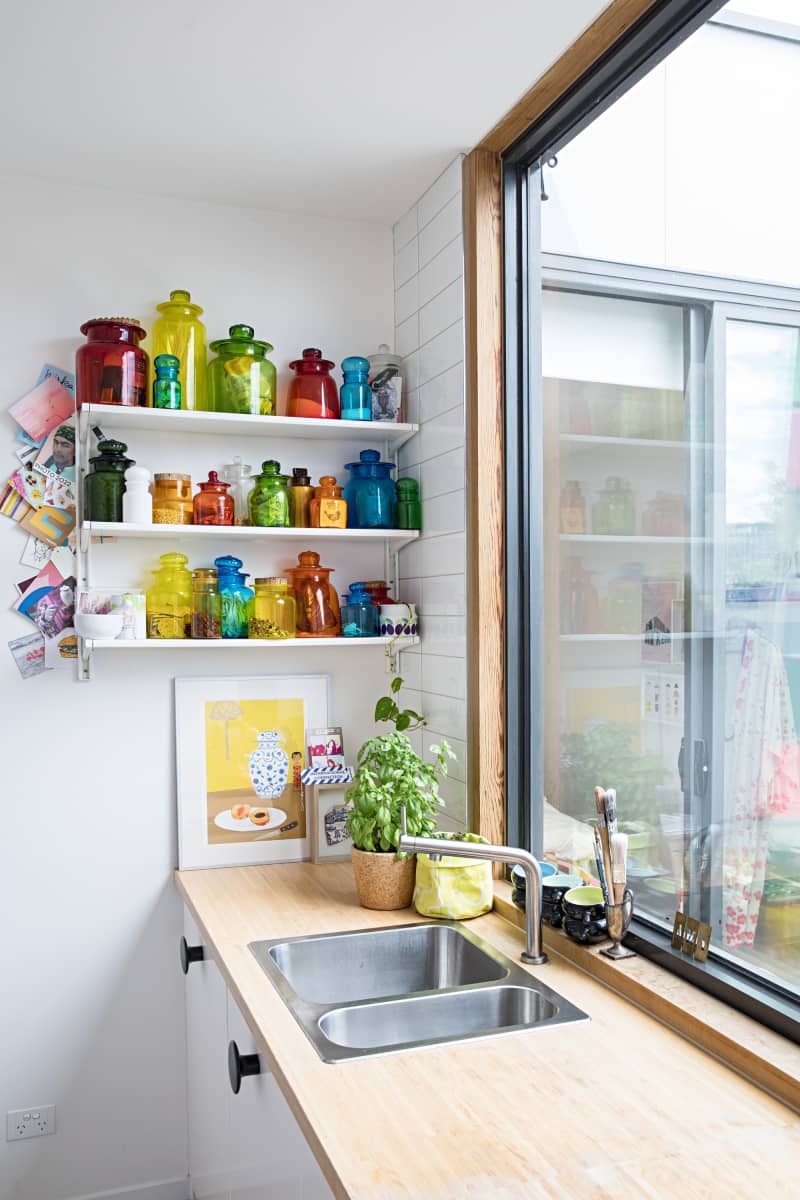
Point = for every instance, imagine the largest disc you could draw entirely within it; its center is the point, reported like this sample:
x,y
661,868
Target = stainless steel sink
x,y
377,991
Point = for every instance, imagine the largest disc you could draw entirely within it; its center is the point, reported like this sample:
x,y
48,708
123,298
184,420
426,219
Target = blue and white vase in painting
x,y
269,766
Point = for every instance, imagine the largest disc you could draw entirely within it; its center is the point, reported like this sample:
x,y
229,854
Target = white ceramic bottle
x,y
137,503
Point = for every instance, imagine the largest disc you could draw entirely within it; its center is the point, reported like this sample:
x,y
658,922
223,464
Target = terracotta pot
x,y
383,880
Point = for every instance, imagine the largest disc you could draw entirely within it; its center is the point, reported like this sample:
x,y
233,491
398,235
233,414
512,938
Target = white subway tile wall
x,y
429,334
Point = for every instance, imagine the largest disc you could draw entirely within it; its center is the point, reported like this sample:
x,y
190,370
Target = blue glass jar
x,y
355,393
234,596
370,493
359,614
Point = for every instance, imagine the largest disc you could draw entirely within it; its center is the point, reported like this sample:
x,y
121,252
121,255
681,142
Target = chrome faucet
x,y
533,952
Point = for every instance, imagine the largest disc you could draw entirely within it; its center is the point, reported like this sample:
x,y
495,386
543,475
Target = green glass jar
x,y
241,379
409,506
269,499
104,486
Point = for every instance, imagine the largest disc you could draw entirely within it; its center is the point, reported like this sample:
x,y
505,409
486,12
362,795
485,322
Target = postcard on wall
x,y
28,653
239,798
57,453
49,524
12,504
327,814
61,650
42,408
65,378
325,747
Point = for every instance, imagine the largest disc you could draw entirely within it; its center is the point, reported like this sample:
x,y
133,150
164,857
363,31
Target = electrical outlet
x,y
30,1122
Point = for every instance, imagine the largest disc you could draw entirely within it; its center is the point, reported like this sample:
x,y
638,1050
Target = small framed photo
x,y
325,747
327,811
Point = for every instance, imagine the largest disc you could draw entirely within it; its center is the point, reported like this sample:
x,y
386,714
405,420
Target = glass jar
x,y
237,475
180,332
206,604
274,609
300,493
234,595
172,499
359,614
317,602
378,591
104,485
212,505
166,385
313,391
409,505
370,493
572,508
111,368
664,516
355,392
386,385
241,379
269,499
328,509
169,599
613,513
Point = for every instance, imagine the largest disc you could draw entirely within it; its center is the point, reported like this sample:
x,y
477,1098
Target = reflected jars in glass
x,y
274,609
206,604
111,367
172,499
317,602
169,599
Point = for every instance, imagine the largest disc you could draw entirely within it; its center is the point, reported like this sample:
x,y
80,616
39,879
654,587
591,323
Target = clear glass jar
x,y
180,332
212,505
172,499
169,599
274,609
370,493
238,475
241,379
269,499
206,604
359,615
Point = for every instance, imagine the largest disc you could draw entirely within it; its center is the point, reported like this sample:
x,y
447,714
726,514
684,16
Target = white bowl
x,y
98,625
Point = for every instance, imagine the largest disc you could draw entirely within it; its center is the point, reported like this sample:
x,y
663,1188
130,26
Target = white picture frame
x,y
320,799
219,724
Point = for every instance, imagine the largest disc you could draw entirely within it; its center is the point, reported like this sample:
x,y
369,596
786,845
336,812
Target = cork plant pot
x,y
382,879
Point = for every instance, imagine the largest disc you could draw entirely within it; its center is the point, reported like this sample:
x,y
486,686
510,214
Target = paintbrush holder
x,y
618,919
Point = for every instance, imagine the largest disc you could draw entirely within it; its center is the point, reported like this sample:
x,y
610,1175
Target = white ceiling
x,y
344,107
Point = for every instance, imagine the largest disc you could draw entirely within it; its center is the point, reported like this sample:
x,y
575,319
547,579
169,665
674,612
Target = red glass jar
x,y
313,391
212,505
111,368
378,592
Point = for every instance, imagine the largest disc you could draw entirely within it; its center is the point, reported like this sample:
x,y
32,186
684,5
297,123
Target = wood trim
x,y
615,20
483,285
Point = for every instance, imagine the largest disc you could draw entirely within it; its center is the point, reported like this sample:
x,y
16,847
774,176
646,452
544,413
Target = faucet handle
x,y
403,822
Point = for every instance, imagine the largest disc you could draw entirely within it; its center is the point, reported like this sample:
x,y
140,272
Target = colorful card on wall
x,y
65,378
41,409
49,524
28,653
57,453
35,553
61,650
325,747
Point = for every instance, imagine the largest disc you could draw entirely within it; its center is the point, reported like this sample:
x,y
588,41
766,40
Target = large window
x,y
654,522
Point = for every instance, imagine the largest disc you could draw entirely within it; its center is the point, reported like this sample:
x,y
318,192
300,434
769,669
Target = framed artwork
x,y
240,800
327,818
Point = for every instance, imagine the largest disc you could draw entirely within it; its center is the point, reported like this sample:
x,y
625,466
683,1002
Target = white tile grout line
x,y
459,277
458,238
452,196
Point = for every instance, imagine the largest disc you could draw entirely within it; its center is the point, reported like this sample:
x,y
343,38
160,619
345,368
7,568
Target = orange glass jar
x,y
172,499
328,509
315,597
212,505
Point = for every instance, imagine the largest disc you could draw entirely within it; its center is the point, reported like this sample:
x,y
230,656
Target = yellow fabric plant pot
x,y
454,888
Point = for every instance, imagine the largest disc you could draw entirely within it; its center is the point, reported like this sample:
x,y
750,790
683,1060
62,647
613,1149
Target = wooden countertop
x,y
619,1106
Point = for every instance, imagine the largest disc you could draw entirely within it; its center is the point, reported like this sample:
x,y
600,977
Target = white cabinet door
x,y
273,1159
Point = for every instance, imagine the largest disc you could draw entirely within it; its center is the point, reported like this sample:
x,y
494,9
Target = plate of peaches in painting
x,y
257,819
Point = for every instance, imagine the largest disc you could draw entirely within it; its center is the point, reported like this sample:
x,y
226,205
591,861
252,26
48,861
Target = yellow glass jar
x,y
274,610
172,499
180,331
169,599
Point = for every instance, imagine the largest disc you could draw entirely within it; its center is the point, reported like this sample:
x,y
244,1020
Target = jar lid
x,y
355,363
237,467
204,574
168,363
171,475
300,477
180,299
173,559
384,357
213,481
312,357
371,459
129,322
272,469
309,559
407,488
359,594
241,340
228,562
273,580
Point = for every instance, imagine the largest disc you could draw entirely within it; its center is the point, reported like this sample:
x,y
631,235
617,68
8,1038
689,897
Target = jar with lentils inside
x,y
172,499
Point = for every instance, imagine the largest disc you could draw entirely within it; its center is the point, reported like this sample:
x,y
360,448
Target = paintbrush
x,y
601,875
611,811
602,829
619,865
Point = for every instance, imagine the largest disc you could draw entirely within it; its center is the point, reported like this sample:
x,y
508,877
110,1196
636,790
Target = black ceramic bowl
x,y
586,932
584,904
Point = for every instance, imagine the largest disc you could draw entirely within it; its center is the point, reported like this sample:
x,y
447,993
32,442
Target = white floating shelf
x,y
128,419
92,644
114,529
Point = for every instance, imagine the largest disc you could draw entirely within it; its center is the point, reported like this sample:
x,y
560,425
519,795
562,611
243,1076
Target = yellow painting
x,y
254,755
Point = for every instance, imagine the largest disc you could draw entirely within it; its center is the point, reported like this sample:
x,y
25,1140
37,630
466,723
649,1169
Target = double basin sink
x,y
376,991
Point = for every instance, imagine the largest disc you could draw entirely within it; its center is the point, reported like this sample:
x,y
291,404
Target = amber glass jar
x,y
172,499
212,505
111,368
328,509
317,602
206,604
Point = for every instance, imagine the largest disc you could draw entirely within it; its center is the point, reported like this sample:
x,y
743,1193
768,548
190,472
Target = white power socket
x,y
30,1122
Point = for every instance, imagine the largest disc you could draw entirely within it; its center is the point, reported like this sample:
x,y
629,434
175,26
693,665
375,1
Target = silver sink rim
x,y
309,1014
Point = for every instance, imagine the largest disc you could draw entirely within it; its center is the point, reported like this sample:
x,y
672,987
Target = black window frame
x,y
646,43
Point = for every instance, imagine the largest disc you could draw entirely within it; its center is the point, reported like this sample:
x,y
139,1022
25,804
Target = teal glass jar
x,y
234,596
370,493
359,614
104,485
269,499
355,393
166,385
409,505
241,379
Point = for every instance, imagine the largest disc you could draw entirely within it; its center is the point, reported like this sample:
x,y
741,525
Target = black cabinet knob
x,y
240,1065
190,954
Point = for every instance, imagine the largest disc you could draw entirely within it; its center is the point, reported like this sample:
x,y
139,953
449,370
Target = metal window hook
x,y
550,162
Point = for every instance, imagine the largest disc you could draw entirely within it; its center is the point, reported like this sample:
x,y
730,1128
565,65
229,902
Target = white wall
x,y
693,168
92,1003
429,333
